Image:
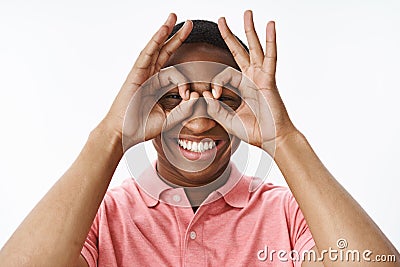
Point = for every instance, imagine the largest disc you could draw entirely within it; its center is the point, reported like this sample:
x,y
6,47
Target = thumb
x,y
225,116
179,113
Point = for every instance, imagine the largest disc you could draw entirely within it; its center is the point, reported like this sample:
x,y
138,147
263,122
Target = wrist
x,y
293,142
283,140
108,137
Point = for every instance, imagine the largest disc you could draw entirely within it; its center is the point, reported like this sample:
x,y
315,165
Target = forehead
x,y
201,52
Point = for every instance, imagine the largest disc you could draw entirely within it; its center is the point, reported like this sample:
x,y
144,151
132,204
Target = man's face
x,y
201,146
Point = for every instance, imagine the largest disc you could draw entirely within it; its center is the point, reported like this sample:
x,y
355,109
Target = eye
x,y
170,101
233,102
174,96
225,98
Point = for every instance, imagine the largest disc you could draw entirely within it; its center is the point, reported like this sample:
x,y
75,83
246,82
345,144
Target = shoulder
x,y
270,195
124,195
267,191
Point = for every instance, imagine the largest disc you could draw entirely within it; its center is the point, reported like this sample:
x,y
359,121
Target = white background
x,y
62,63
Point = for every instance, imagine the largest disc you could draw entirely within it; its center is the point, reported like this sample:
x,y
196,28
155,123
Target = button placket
x,y
194,253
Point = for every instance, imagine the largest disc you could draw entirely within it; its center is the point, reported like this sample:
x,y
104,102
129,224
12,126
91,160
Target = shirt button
x,y
176,198
192,235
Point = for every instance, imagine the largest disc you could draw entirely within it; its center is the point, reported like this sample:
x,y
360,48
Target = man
x,y
138,227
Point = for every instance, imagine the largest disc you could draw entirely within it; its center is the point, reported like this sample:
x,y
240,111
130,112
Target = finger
x,y
151,49
269,64
239,53
171,77
173,44
227,76
256,51
180,113
227,118
219,113
170,22
156,42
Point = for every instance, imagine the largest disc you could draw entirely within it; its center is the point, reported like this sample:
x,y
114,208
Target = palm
x,y
258,96
144,118
253,120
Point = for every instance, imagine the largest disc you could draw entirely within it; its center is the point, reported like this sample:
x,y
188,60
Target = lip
x,y
198,138
205,155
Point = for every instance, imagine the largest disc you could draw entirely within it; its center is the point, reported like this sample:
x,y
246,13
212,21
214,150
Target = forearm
x,y
55,230
330,211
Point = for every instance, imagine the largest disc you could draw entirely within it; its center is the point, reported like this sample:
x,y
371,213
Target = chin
x,y
207,175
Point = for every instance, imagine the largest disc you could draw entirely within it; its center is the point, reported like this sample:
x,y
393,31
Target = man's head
x,y
204,43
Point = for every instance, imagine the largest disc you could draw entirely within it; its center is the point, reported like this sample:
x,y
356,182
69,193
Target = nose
x,y
199,122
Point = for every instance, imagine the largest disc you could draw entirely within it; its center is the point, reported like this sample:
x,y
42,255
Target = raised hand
x,y
145,117
253,122
150,61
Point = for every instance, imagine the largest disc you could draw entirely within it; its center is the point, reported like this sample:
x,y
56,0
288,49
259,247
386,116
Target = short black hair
x,y
205,31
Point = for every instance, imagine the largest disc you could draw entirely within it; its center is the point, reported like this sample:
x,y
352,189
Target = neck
x,y
197,194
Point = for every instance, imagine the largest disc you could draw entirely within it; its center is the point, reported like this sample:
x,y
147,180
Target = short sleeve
x,y
90,250
301,237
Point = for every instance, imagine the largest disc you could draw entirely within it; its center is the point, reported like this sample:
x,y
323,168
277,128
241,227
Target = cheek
x,y
234,143
157,144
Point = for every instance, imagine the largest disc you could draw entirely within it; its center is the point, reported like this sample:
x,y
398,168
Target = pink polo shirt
x,y
135,226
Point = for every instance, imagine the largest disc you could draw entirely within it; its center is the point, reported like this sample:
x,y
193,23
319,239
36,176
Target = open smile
x,y
203,149
200,146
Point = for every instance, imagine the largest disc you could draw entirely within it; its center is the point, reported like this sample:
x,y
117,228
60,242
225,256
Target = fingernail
x,y
214,93
187,94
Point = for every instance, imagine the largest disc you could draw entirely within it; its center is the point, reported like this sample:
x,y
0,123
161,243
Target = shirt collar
x,y
235,191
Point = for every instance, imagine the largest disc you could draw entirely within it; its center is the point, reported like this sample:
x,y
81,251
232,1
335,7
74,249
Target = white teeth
x,y
196,146
201,146
205,146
